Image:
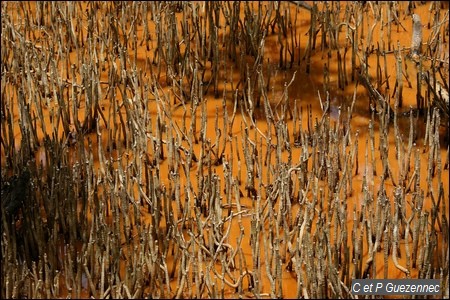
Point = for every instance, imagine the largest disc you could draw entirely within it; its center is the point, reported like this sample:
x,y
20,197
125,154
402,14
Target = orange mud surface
x,y
305,90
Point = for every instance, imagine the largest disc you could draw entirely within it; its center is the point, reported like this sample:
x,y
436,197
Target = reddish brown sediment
x,y
232,161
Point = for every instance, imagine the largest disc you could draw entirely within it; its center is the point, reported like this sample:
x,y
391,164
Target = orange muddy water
x,y
305,94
